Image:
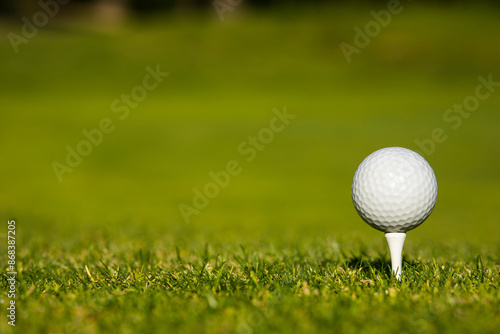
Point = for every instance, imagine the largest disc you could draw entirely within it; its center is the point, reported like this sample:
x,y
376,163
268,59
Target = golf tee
x,y
396,242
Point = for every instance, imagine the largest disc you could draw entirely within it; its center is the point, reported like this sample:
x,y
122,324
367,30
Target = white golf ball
x,y
394,190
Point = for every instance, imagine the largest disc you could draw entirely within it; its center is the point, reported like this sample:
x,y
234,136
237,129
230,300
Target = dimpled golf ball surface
x,y
394,189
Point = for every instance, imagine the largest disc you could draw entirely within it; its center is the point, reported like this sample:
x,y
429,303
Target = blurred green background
x,y
226,77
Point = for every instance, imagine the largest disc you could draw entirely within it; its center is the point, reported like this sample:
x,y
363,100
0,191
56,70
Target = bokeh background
x,y
225,78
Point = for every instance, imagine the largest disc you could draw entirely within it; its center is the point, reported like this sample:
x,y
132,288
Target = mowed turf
x,y
280,248
322,285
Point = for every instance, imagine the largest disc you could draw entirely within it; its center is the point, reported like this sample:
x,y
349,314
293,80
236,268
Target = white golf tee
x,y
396,242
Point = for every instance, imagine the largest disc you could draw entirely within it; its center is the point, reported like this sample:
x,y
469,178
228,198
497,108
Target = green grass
x,y
281,249
96,284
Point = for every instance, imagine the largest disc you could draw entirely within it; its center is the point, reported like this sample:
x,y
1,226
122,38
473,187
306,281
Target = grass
x,y
281,248
96,284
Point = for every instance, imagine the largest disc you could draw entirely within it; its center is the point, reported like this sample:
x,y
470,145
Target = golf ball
x,y
394,190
